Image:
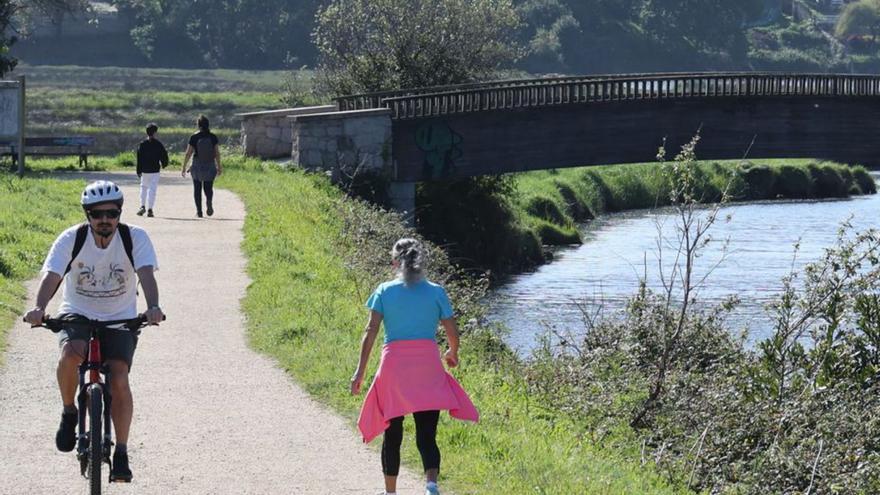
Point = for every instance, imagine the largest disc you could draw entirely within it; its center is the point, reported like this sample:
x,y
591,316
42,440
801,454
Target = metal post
x,y
21,124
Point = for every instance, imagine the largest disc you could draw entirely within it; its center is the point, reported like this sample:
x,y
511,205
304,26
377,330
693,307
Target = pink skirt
x,y
411,378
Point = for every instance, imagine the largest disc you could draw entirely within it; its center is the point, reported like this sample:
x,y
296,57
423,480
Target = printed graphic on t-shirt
x,y
101,282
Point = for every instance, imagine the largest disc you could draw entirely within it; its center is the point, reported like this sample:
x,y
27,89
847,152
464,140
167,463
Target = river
x,y
620,248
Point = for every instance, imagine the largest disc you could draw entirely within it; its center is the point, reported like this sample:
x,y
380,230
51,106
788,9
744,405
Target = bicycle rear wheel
x,y
96,405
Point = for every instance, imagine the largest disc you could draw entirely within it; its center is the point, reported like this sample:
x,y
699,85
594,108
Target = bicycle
x,y
94,395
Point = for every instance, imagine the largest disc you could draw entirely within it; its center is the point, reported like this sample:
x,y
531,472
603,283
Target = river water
x,y
620,248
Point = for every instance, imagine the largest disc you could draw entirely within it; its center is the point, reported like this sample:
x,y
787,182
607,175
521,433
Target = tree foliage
x,y
859,18
366,45
619,35
7,62
228,33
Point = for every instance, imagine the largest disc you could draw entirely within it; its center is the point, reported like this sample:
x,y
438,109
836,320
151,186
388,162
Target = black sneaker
x,y
65,438
210,210
120,473
199,214
141,212
149,213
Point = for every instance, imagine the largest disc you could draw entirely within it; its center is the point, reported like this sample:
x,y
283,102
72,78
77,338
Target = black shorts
x,y
115,344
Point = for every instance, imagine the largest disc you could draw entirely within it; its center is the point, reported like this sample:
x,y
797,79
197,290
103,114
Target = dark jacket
x,y
150,155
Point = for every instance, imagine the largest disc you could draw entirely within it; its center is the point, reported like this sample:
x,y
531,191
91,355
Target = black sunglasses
x,y
97,214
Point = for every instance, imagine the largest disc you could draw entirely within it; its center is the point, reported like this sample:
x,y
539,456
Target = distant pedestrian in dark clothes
x,y
151,155
204,149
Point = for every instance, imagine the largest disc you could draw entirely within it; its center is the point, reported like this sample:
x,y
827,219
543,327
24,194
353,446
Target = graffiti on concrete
x,y
439,143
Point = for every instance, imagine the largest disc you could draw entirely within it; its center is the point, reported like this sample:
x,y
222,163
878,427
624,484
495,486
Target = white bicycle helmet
x,y
101,191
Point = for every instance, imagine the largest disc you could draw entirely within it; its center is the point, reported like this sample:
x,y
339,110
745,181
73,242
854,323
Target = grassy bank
x,y
500,223
35,210
305,308
552,202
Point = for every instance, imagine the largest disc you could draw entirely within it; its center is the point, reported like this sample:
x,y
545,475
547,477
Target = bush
x,y
556,235
760,181
786,60
800,39
574,205
827,181
794,182
475,220
866,183
546,208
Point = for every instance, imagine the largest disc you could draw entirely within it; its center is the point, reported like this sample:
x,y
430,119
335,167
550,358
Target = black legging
x,y
426,440
208,185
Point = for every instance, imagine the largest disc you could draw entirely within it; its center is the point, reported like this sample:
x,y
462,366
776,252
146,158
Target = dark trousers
x,y
426,441
208,186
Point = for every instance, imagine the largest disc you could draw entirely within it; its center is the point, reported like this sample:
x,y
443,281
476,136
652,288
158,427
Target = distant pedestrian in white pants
x,y
151,159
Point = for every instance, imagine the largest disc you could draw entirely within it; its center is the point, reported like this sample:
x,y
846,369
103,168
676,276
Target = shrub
x,y
556,235
546,208
800,39
760,181
475,220
574,204
864,180
794,182
827,181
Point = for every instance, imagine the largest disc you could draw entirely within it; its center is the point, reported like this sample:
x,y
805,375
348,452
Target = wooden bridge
x,y
508,126
516,125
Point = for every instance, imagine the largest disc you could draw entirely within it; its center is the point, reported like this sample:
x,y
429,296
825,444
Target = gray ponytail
x,y
409,253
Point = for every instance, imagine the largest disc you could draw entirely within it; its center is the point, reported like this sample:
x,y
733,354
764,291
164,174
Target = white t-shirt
x,y
101,284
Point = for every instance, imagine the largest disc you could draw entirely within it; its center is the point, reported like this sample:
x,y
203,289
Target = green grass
x,y
552,202
35,210
305,308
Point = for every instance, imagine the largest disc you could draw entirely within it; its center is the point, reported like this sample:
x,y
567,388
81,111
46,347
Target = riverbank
x,y
553,202
499,224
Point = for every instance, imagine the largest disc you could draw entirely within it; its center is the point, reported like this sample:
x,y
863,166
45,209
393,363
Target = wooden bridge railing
x,y
546,92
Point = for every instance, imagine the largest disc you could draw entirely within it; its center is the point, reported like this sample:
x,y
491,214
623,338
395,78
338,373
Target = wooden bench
x,y
52,146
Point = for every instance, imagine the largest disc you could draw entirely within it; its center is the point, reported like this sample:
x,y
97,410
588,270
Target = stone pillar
x,y
341,143
268,134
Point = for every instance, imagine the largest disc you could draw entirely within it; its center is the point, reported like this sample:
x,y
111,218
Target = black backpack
x,y
205,149
83,231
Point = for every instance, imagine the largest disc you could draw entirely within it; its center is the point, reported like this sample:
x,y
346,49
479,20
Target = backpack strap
x,y
78,244
125,235
80,241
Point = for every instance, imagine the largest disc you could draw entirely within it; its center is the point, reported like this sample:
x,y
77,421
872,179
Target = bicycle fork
x,y
95,385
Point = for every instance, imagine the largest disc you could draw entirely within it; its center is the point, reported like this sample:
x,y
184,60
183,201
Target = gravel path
x,y
211,416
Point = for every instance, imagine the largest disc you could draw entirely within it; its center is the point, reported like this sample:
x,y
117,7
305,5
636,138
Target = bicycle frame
x,y
95,367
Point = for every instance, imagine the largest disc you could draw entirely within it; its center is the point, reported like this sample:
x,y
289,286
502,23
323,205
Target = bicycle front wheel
x,y
96,456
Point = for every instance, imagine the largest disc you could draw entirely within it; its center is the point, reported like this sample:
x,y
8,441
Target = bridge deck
x,y
525,93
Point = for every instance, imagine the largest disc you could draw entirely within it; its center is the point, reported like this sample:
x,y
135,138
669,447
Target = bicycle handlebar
x,y
57,324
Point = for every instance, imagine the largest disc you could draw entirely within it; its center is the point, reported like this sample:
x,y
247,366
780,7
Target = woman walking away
x,y
151,155
204,149
411,378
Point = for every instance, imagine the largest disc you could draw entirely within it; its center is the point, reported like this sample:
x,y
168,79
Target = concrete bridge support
x,y
268,134
346,144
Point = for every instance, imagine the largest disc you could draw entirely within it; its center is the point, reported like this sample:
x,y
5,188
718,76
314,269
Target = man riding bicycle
x,y
97,262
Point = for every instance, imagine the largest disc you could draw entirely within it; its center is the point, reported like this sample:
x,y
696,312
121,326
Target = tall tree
x,y
373,45
7,38
859,18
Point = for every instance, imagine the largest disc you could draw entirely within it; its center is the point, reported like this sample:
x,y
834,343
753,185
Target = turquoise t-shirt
x,y
410,312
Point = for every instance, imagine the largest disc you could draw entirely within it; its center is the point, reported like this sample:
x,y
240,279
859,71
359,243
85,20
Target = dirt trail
x,y
211,415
